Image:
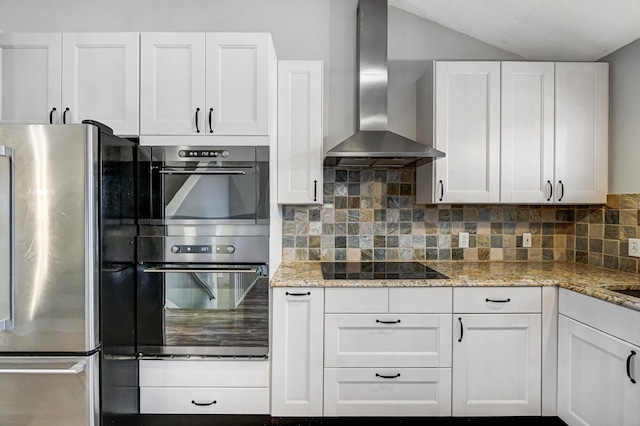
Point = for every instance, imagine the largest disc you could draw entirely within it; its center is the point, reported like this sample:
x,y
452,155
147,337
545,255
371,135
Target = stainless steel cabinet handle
x,y
631,355
202,172
7,283
202,270
550,186
441,188
64,116
210,125
77,368
51,115
562,192
197,128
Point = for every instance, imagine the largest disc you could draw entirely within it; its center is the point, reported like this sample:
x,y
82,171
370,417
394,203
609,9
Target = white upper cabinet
x,y
206,84
467,129
527,165
172,83
100,79
300,132
70,77
30,78
582,131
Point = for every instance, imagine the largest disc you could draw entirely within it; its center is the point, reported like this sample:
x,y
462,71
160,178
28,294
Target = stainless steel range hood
x,y
373,145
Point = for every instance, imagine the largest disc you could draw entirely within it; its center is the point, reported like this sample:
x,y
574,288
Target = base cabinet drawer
x,y
387,392
168,400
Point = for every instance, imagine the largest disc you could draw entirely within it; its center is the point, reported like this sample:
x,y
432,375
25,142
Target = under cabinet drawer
x,y
204,400
208,373
387,392
388,340
504,300
420,300
356,300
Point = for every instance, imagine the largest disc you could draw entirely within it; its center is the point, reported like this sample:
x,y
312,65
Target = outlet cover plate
x,y
526,239
463,240
634,247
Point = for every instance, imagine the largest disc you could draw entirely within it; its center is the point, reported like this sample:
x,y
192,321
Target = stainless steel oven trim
x,y
222,351
202,172
7,303
199,270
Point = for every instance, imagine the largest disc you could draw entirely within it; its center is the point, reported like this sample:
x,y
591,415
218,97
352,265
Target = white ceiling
x,y
559,30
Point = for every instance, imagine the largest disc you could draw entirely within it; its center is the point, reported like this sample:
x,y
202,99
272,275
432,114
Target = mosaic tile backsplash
x,y
371,215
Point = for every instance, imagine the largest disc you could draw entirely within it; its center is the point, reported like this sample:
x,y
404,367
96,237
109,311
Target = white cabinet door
x,y
397,392
30,78
100,79
297,363
300,132
594,382
388,340
467,129
582,129
172,83
527,141
497,365
237,74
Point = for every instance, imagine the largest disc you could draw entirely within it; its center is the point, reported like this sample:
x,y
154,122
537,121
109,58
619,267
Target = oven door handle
x,y
222,271
202,172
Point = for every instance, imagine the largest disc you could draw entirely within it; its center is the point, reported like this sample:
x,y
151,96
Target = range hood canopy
x,y
373,144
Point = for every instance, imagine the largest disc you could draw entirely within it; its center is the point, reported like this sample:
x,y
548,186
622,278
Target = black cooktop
x,y
379,271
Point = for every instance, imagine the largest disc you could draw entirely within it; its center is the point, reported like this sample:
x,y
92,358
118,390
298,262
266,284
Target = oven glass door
x,y
204,191
203,311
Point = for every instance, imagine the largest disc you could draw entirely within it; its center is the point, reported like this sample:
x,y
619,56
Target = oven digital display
x,y
191,249
200,153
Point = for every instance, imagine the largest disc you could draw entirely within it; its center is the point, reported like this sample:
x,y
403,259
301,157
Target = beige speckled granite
x,y
589,280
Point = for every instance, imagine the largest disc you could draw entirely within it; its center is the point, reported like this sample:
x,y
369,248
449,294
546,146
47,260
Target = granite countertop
x,y
589,280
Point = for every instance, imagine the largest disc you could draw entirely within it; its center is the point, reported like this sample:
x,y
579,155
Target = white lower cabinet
x,y
204,387
298,319
387,392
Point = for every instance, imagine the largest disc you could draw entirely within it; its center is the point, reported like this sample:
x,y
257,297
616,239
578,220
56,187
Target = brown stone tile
x,y
571,242
509,254
547,254
535,254
582,230
535,228
612,232
560,241
327,255
535,215
301,254
595,245
629,217
496,254
560,254
522,254
484,228
571,255
496,228
611,247
536,241
560,228
611,262
547,241
596,259
548,214
470,214
582,215
596,215
484,254
627,232
613,201
628,264
509,241
484,241
596,231
629,201
522,214
471,254
582,257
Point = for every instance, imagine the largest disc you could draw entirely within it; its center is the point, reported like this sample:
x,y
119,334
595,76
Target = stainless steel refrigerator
x,y
65,228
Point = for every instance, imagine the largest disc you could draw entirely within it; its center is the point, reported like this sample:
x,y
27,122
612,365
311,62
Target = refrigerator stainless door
x,y
49,391
55,238
6,238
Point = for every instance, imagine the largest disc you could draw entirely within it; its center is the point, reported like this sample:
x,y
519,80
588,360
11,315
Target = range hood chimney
x,y
373,145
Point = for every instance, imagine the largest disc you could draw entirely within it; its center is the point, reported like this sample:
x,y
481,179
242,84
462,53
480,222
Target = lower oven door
x,y
208,310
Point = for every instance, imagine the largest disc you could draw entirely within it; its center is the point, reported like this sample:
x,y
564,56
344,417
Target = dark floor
x,y
223,420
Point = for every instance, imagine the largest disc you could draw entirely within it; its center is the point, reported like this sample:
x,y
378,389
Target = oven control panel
x,y
191,249
202,153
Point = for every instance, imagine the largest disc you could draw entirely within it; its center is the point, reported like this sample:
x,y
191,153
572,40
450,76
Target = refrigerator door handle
x,y
6,233
77,368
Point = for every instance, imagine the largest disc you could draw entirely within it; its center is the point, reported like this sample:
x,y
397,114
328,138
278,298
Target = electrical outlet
x,y
526,239
634,247
463,240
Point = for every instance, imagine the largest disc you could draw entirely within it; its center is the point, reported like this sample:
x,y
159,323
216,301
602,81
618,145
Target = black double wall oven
x,y
203,251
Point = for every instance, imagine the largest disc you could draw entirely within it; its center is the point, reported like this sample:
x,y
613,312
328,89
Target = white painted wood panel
x,y
172,83
593,385
298,339
300,132
496,365
504,300
30,78
582,131
387,340
416,300
411,392
237,74
356,300
185,400
527,139
467,129
100,79
207,373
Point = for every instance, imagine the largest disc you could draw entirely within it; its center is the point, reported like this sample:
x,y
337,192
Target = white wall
x,y
624,125
301,29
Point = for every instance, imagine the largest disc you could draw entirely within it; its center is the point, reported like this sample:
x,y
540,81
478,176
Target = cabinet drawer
x,y
484,300
411,300
184,400
356,300
388,340
411,392
204,373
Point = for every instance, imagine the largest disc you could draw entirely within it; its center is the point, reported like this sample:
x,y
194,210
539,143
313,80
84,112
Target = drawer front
x,y
204,373
505,300
356,300
410,300
204,400
388,340
401,392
